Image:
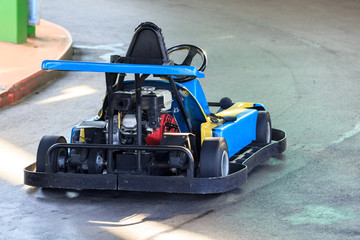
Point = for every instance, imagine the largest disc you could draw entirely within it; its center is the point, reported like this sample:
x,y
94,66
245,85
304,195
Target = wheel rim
x,y
224,164
61,160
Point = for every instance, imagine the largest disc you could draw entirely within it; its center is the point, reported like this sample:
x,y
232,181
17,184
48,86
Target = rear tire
x,y
45,143
214,158
263,128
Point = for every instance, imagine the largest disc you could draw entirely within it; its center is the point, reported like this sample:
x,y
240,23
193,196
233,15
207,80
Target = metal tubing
x,y
213,104
138,119
110,134
128,148
181,104
110,81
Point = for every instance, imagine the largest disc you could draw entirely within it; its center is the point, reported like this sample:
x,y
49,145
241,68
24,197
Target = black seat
x,y
147,46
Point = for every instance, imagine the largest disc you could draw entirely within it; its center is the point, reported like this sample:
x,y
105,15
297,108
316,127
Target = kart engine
x,y
156,121
155,104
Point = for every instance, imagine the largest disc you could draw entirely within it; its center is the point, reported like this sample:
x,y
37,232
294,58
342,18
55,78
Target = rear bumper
x,y
239,169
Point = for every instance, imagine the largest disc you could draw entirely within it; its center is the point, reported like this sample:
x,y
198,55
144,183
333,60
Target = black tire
x,y
263,128
45,143
214,158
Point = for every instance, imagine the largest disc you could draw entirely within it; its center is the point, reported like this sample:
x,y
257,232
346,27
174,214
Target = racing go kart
x,y
156,134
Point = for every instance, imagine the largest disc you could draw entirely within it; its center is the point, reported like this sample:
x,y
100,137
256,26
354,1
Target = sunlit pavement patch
x,y
315,214
12,162
70,93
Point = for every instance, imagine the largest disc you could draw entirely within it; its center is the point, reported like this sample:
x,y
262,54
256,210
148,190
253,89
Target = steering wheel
x,y
192,52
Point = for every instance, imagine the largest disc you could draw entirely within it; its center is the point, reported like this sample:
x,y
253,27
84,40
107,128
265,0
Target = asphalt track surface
x,y
300,58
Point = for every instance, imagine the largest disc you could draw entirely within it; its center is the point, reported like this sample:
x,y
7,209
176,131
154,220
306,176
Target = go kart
x,y
156,134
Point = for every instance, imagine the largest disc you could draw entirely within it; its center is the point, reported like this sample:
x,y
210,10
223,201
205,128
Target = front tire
x,y
263,128
214,158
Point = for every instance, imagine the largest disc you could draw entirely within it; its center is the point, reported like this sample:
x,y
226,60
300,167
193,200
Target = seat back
x,y
147,46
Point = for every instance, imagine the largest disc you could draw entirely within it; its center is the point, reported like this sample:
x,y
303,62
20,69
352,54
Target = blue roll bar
x,y
121,68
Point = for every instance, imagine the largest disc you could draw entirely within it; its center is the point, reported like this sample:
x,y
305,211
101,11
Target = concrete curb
x,y
38,79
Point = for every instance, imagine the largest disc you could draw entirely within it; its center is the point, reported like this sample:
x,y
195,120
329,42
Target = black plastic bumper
x,y
239,169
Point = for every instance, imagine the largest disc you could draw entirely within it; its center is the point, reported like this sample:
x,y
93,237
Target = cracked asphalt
x,y
300,58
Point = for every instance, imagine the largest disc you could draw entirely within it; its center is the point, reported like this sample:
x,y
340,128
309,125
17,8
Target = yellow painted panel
x,y
235,109
206,129
82,135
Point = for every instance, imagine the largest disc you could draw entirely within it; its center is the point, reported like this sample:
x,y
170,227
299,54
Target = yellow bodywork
x,y
235,109
82,135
